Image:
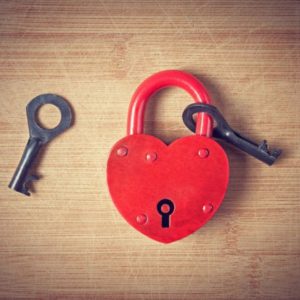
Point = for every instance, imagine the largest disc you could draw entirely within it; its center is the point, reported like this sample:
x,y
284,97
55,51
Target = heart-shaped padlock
x,y
167,191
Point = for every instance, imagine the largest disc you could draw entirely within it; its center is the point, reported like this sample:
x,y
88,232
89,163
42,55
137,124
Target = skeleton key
x,y
224,131
38,137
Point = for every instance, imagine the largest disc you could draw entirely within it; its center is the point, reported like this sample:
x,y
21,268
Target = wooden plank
x,y
68,240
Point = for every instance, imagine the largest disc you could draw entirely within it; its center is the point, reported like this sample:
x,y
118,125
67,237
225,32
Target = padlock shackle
x,y
163,79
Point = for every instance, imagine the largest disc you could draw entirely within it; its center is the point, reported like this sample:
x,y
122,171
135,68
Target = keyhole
x,y
165,208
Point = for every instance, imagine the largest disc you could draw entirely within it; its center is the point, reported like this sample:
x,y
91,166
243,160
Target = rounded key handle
x,y
44,134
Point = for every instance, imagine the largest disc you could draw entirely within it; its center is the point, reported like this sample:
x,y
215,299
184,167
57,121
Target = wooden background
x,y
68,240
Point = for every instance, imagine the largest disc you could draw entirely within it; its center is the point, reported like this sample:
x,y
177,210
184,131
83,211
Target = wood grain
x,y
68,240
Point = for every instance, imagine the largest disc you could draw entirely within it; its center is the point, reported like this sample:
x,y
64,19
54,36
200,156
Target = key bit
x,y
38,137
223,131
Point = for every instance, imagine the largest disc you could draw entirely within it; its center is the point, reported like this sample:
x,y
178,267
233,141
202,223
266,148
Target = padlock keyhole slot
x,y
165,208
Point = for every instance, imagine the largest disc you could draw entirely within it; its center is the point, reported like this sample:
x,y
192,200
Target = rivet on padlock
x,y
191,173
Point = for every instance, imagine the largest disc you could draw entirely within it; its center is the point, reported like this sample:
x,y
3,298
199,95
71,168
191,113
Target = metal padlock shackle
x,y
163,79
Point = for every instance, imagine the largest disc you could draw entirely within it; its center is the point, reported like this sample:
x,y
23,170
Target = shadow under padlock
x,y
167,191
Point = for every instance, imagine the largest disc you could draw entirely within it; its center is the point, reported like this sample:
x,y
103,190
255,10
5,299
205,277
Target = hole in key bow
x,y
48,116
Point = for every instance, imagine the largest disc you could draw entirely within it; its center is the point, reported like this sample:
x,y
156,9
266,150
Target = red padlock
x,y
167,191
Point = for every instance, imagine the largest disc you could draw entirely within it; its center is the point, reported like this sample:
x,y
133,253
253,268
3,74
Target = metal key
x,y
225,132
38,137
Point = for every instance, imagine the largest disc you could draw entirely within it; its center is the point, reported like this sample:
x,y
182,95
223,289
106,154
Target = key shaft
x,y
22,176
